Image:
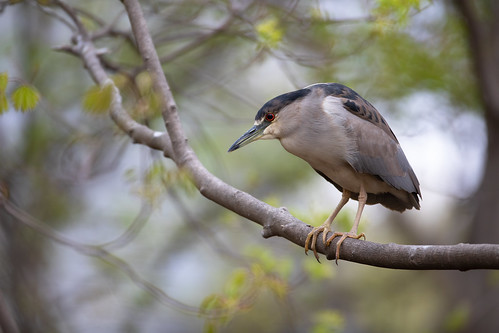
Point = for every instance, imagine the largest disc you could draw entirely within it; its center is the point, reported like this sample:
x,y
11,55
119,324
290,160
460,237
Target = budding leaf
x,y
25,98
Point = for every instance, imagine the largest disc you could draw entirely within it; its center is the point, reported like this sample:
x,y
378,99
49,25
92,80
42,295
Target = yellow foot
x,y
343,235
313,234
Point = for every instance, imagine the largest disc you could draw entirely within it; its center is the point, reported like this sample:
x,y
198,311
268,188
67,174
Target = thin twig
x,y
53,13
133,230
197,42
96,251
73,15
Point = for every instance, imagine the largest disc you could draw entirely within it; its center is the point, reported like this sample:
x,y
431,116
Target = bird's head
x,y
274,118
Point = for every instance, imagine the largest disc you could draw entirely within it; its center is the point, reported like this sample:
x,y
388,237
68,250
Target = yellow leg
x,y
326,226
353,232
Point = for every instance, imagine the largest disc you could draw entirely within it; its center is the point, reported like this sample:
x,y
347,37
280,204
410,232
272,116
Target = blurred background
x,y
101,235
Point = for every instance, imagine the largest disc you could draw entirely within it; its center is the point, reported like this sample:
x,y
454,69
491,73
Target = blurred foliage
x,y
243,287
97,100
4,104
328,321
24,98
457,318
318,272
269,32
389,12
4,78
156,180
223,59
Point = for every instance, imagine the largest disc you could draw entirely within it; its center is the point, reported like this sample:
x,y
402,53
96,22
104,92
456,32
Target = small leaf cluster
x,y
24,97
137,92
243,287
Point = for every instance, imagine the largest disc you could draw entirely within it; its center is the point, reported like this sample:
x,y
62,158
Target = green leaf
x,y
4,105
25,98
4,78
269,32
97,100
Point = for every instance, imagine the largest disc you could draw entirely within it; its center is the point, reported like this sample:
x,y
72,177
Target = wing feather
x,y
381,156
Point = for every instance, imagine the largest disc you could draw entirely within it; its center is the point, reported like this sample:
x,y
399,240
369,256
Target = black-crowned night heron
x,y
347,141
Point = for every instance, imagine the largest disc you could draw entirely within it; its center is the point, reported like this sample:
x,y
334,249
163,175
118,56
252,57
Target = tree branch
x,y
278,222
94,251
139,133
275,221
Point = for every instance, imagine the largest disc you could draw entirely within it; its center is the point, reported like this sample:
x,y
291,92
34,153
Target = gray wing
x,y
379,152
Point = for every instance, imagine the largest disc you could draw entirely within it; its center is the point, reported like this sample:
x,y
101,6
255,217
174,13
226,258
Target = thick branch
x,y
415,257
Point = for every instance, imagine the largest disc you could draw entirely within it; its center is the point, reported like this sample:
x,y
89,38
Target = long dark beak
x,y
253,134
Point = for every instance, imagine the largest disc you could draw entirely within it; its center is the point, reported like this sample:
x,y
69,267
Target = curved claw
x,y
314,234
344,235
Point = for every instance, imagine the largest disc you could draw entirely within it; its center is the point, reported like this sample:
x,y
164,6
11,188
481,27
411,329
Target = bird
x,y
346,141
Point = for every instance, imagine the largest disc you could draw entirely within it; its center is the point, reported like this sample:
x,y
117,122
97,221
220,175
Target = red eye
x,y
269,117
